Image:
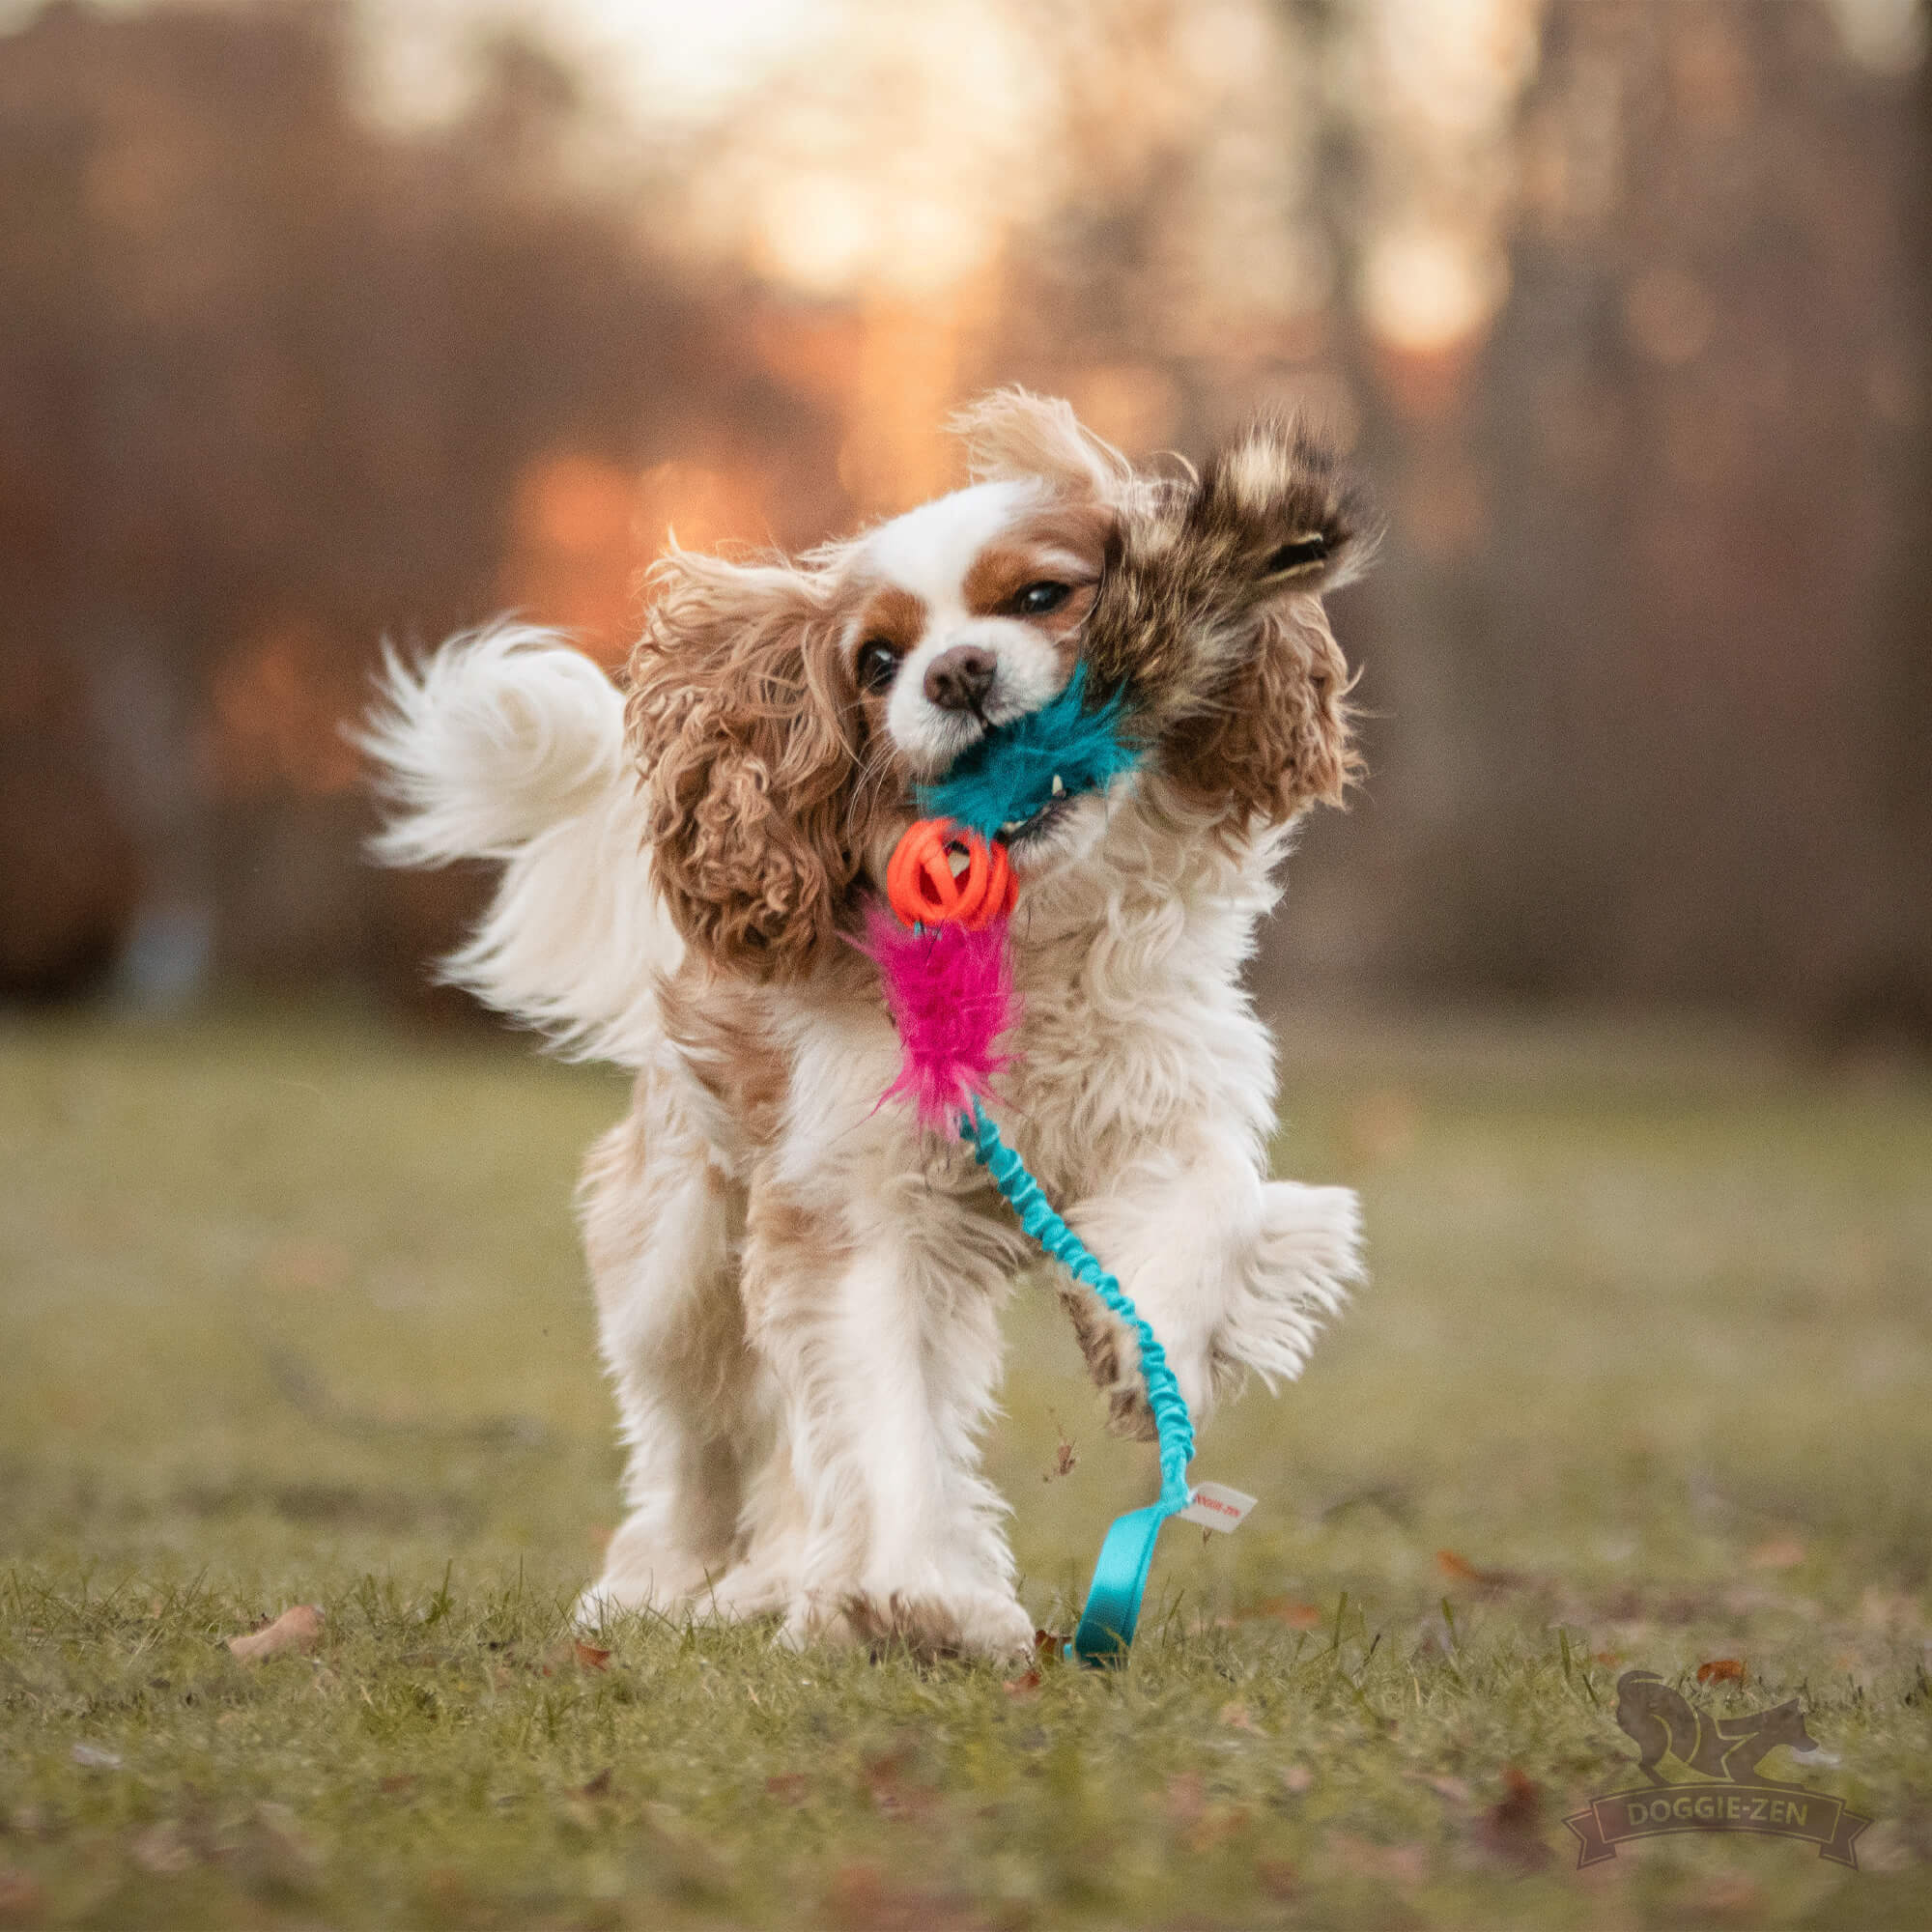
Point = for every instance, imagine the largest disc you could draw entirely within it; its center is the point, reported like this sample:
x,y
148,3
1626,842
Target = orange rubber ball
x,y
941,874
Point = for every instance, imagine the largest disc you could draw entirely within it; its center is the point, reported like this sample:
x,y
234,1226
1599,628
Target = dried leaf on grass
x,y
1781,1553
1047,1646
1512,1829
1238,1717
1721,1670
1288,1610
567,1653
298,1629
1460,1569
790,1787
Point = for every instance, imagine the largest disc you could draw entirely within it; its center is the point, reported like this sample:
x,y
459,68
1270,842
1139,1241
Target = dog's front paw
x,y
927,1625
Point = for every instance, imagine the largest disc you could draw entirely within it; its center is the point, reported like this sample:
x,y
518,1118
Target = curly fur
x,y
798,1289
742,724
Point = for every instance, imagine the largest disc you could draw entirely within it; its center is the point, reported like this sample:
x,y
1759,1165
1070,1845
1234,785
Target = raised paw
x,y
1297,1275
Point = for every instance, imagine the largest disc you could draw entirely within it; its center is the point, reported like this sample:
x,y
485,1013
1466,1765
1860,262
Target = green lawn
x,y
292,1313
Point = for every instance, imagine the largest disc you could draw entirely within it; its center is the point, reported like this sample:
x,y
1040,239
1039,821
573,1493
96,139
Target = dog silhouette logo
x,y
1722,1791
1662,1722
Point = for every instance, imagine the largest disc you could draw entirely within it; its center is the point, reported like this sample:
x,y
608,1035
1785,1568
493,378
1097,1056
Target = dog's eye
x,y
1297,555
876,664
1038,599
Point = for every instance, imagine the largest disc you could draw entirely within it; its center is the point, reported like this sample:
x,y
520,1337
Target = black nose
x,y
960,680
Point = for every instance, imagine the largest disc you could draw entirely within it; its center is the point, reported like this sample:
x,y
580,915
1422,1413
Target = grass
x,y
292,1313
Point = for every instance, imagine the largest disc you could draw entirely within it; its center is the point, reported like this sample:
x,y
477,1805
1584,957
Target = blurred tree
x,y
274,380
1622,304
1695,415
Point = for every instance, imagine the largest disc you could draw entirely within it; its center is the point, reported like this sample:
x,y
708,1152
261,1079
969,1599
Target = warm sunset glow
x,y
276,711
1434,84
1425,290
584,530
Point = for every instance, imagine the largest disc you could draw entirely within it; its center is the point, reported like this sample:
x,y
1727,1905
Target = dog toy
x,y
943,959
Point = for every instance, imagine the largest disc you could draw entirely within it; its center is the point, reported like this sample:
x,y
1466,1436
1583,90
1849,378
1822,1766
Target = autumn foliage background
x,y
325,324
330,320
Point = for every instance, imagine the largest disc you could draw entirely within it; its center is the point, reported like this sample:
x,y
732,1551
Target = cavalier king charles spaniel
x,y
798,1289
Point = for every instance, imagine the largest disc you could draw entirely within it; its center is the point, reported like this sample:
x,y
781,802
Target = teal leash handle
x,y
1113,1604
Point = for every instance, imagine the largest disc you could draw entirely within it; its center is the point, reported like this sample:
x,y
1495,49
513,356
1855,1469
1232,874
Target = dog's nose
x,y
958,680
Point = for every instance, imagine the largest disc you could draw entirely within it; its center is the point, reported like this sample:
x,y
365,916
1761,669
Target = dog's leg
x,y
885,1345
657,1225
1232,1272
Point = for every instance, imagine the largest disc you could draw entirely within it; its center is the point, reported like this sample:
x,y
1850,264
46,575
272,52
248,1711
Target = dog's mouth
x,y
1040,820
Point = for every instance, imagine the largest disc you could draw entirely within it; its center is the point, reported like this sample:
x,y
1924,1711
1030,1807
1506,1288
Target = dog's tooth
x,y
1059,789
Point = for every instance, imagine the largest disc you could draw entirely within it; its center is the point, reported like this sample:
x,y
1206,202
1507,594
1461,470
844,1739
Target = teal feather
x,y
1009,774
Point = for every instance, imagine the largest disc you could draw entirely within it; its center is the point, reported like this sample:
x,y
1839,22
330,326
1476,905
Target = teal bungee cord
x,y
944,967
1113,1604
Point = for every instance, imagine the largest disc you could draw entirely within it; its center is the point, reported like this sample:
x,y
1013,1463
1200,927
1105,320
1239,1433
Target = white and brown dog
x,y
799,1292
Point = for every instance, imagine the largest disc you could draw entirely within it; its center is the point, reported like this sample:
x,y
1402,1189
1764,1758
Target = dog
x,y
1662,1722
798,1290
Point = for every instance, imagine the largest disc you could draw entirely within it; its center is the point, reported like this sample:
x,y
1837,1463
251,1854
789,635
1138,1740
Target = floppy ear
x,y
1274,524
1278,738
1278,494
745,746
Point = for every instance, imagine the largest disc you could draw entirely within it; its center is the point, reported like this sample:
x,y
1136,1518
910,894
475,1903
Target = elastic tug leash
x,y
1113,1604
944,966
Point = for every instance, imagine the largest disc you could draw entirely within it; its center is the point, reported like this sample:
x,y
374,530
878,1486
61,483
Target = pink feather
x,y
951,994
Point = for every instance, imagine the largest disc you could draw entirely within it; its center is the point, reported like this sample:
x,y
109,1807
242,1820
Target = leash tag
x,y
1217,1506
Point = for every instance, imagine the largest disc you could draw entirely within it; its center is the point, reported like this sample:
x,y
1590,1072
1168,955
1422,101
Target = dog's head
x,y
785,714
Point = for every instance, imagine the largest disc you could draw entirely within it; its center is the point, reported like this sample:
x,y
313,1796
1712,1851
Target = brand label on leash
x,y
1217,1506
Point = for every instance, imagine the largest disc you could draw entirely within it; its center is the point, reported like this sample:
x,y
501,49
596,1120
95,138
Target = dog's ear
x,y
1278,738
1282,511
745,739
1273,524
